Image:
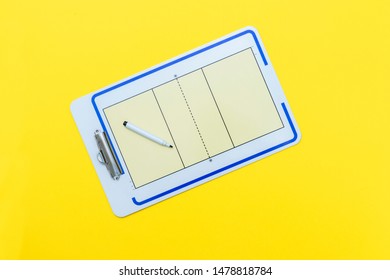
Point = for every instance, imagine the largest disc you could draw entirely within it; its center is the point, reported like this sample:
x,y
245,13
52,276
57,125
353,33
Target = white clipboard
x,y
219,106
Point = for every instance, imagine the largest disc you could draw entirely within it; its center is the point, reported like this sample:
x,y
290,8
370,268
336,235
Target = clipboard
x,y
186,121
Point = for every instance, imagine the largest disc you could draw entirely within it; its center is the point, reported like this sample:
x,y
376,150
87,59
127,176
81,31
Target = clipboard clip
x,y
106,155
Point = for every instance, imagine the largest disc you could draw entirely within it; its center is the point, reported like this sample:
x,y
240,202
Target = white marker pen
x,y
146,134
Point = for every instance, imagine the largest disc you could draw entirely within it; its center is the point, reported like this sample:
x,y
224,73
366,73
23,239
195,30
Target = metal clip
x,y
106,155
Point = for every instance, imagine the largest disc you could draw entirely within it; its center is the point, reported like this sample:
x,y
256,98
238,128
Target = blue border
x,y
165,66
140,76
292,140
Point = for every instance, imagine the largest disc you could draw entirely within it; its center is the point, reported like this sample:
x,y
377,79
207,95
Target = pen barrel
x,y
145,134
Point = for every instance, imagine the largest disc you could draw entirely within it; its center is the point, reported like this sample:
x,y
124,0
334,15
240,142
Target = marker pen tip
x,y
124,123
170,146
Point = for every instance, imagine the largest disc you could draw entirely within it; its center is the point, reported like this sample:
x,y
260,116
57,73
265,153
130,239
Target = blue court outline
x,y
292,140
168,64
165,66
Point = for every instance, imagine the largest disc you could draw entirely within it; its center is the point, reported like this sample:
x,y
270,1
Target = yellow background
x,y
326,198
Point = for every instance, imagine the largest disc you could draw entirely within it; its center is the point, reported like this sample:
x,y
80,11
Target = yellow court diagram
x,y
202,114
